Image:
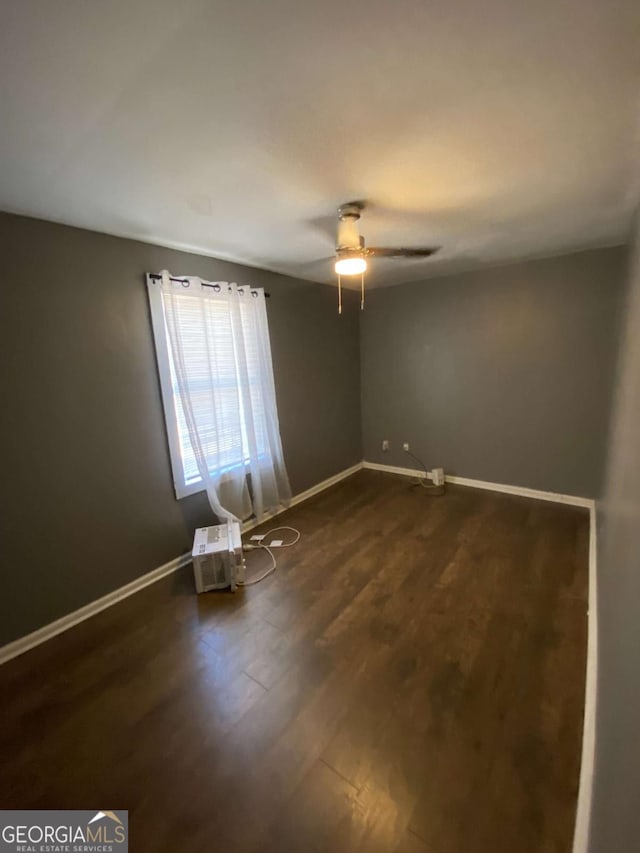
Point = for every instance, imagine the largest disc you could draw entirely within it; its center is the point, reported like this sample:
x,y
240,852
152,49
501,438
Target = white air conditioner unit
x,y
217,557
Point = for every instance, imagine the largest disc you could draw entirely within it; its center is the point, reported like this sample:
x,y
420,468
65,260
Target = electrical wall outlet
x,y
385,443
406,447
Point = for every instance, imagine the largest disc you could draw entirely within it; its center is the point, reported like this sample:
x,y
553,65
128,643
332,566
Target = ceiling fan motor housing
x,y
349,238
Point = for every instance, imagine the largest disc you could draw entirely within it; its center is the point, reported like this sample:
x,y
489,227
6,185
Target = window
x,y
210,345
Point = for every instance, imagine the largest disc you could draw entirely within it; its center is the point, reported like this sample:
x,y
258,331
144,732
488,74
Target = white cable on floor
x,y
266,574
267,548
283,527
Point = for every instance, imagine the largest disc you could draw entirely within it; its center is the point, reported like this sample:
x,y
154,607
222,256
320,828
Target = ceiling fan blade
x,y
382,252
317,270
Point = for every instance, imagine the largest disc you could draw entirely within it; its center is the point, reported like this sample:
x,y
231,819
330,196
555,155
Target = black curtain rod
x,y
157,277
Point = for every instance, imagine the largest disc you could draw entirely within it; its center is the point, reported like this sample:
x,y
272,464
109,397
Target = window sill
x,y
184,490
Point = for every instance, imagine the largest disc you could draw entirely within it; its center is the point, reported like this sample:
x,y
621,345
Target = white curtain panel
x,y
220,354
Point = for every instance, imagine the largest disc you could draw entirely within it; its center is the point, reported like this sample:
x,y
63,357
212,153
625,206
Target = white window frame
x,y
163,360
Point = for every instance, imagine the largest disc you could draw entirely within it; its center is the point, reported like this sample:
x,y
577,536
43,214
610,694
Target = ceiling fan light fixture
x,y
351,254
352,265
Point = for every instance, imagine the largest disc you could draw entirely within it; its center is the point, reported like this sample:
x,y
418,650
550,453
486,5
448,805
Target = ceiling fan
x,y
352,254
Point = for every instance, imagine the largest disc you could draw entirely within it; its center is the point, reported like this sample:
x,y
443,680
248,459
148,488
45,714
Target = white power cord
x,y
267,548
432,488
268,572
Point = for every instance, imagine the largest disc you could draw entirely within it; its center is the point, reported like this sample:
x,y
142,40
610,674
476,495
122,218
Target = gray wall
x,y
87,501
616,815
501,374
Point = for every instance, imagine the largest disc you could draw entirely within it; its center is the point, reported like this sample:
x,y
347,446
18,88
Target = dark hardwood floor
x,y
411,680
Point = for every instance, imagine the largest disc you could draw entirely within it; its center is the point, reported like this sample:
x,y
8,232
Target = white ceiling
x,y
498,129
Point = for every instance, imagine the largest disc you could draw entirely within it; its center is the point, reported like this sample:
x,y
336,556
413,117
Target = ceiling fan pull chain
x,y
362,293
339,294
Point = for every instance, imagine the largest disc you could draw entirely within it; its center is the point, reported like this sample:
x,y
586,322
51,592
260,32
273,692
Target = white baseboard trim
x,y
522,491
41,635
325,484
303,496
587,764
24,644
393,469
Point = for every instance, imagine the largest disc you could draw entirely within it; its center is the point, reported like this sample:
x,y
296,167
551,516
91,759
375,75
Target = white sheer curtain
x,y
222,375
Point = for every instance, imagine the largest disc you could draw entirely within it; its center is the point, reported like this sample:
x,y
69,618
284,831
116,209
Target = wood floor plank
x,y
411,679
